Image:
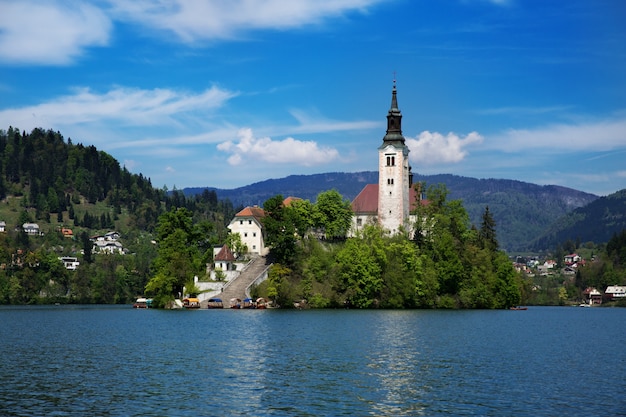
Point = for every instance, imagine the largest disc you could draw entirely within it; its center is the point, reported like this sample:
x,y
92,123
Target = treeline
x,y
53,176
447,264
60,184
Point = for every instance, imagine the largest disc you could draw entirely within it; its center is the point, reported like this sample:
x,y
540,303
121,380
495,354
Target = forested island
x,y
169,238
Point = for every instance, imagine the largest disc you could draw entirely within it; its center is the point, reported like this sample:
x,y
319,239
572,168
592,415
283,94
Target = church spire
x,y
394,120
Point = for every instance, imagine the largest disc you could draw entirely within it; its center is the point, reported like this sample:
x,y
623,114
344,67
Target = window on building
x,y
389,181
249,221
240,221
245,234
391,160
253,234
359,222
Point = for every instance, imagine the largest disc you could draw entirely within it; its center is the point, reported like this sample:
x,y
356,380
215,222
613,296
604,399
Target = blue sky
x,y
226,93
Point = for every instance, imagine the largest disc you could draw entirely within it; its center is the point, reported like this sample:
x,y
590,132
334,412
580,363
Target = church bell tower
x,y
394,173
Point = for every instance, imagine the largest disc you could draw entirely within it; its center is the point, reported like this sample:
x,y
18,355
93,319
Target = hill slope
x,y
522,211
598,222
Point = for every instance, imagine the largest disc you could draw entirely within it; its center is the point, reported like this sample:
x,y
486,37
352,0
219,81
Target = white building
x,y
249,226
69,262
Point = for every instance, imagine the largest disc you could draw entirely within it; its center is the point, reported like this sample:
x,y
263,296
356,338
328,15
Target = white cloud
x,y
126,106
194,20
434,148
603,135
286,151
50,33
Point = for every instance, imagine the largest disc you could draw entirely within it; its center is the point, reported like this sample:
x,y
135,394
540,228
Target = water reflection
x,y
124,362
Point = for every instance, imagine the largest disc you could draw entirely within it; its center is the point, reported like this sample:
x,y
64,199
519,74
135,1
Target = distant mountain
x,y
522,211
598,222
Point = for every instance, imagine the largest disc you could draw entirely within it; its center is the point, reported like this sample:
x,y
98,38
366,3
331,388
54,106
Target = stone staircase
x,y
237,287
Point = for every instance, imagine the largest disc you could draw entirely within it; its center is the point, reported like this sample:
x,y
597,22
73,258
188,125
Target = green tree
x,y
487,233
178,258
332,214
281,232
360,265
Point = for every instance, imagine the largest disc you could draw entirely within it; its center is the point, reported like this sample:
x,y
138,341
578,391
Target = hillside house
x,y
592,296
615,292
105,247
571,259
69,262
31,229
3,226
67,232
249,226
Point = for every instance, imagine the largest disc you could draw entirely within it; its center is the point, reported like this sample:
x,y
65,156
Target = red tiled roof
x,y
225,254
367,200
287,201
255,211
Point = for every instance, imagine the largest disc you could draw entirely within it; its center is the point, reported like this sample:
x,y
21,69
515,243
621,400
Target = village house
x,y
571,259
3,226
615,292
108,244
592,296
249,226
31,229
69,262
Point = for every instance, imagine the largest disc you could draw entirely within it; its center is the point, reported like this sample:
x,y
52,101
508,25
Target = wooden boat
x,y
235,303
142,302
261,303
215,303
248,303
191,302
518,308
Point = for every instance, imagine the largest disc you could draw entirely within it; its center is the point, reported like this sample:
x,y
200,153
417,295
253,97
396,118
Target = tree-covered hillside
x,y
595,222
61,185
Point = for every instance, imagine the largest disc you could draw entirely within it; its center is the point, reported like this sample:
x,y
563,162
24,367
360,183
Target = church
x,y
389,202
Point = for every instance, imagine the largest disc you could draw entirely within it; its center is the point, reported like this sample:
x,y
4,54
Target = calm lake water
x,y
116,361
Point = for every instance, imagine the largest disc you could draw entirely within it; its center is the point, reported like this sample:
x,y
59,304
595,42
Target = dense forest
x,y
59,184
597,221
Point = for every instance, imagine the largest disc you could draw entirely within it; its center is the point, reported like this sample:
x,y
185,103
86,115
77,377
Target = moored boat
x,y
261,303
215,303
248,303
191,302
142,302
518,308
235,303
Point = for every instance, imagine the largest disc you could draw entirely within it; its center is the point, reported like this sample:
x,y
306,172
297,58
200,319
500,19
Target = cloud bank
x,y
195,20
50,33
434,148
249,148
127,106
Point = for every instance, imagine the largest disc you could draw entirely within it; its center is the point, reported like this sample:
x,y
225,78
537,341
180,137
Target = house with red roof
x,y
249,226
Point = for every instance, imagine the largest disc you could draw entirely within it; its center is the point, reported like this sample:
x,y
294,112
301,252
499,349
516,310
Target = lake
x,y
116,361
